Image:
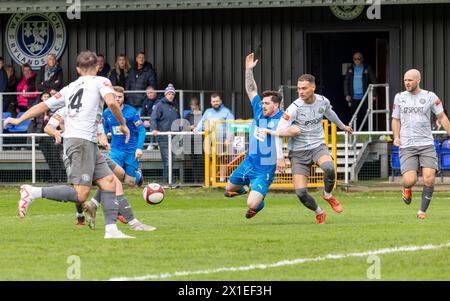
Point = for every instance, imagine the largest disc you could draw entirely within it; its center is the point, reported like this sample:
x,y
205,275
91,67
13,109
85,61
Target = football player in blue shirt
x,y
260,163
124,154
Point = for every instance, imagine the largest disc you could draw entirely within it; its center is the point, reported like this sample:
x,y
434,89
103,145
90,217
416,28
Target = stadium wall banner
x,y
30,37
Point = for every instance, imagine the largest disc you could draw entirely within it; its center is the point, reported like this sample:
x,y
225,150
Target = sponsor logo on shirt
x,y
414,110
313,121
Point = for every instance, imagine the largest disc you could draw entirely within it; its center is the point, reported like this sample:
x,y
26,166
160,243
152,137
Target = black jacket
x,y
139,80
163,115
148,105
105,71
118,80
368,78
55,82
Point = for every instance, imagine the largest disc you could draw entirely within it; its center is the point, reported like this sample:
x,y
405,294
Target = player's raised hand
x,y
124,129
281,165
138,153
250,62
10,120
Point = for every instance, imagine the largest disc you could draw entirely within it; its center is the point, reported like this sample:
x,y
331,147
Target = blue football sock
x,y
241,190
260,206
138,176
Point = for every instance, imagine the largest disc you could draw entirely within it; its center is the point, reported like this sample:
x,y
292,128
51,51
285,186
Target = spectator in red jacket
x,y
26,84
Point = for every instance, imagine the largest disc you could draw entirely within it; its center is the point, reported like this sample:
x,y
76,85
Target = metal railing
x,y
171,150
347,145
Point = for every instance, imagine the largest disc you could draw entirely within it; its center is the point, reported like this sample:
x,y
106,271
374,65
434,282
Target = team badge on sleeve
x,y
437,102
138,123
286,116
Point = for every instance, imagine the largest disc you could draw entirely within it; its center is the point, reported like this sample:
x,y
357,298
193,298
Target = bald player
x,y
411,124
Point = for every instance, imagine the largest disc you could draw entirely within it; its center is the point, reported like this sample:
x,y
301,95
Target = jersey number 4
x,y
75,100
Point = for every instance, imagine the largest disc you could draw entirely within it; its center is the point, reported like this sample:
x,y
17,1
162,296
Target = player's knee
x,y
428,180
328,168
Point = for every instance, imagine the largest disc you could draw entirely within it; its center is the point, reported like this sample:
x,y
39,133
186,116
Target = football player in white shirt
x,y
411,124
83,100
307,113
126,214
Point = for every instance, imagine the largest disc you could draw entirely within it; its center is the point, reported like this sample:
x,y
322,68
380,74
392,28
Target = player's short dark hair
x,y
274,96
307,78
119,89
215,94
86,60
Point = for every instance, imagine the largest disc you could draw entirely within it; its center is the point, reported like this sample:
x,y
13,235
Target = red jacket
x,y
29,85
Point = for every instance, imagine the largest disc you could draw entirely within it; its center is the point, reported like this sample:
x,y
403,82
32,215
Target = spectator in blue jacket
x,y
164,114
140,77
218,111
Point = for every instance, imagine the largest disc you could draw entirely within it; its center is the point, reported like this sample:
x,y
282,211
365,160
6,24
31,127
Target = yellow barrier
x,y
227,155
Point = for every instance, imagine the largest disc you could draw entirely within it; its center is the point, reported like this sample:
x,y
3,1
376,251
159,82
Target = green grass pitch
x,y
199,229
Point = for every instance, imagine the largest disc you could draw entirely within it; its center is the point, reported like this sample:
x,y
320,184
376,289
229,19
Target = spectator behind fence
x,y
356,82
50,76
26,84
10,101
104,69
150,100
196,170
120,72
163,117
218,111
195,114
140,77
52,152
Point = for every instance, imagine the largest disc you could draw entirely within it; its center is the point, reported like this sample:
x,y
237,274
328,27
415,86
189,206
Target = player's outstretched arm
x,y
30,113
290,131
333,117
117,112
396,130
250,84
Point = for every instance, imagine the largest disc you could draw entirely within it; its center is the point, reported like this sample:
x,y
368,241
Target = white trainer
x,y
25,200
116,234
142,227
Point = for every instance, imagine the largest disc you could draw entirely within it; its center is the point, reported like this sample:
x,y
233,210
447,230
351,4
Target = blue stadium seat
x,y
395,160
445,155
21,128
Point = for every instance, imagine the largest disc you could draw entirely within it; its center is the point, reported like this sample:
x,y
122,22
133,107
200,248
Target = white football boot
x,y
142,227
25,200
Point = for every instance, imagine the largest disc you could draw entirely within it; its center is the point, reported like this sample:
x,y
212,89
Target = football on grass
x,y
153,193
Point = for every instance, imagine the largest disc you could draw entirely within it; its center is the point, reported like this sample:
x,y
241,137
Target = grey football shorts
x,y
411,158
302,160
110,162
84,162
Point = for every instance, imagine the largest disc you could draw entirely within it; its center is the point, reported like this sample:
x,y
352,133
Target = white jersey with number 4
x,y
414,112
59,115
83,102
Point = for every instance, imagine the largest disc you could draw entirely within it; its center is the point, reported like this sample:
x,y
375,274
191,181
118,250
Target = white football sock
x,y
327,195
35,192
95,202
319,210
